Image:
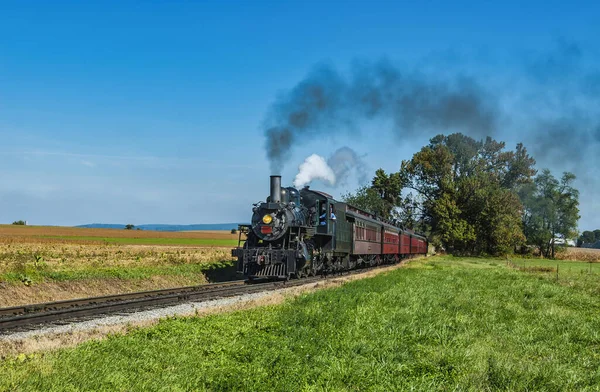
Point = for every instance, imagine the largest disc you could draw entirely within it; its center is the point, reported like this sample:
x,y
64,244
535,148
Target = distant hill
x,y
160,227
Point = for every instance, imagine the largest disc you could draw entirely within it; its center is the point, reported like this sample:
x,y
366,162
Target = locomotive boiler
x,y
295,233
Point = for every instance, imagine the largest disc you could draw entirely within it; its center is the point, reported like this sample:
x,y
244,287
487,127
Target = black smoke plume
x,y
549,100
564,101
344,162
328,102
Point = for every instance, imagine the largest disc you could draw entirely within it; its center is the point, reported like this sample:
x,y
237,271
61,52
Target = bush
x,y
19,222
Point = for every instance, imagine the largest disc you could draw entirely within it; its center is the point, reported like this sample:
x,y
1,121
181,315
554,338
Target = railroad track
x,y
29,316
26,316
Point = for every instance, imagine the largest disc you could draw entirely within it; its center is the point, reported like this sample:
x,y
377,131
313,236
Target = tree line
x,y
589,237
475,197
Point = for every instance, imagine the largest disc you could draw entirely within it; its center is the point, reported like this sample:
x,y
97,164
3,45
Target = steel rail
x,y
107,307
15,317
56,305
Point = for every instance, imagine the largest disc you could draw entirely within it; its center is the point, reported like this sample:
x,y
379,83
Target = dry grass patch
x,y
580,254
68,256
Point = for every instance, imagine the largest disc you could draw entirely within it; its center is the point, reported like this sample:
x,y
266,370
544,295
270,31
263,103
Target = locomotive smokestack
x,y
275,189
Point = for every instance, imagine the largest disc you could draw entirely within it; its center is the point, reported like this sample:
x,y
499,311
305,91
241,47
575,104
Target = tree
x,y
587,237
366,198
520,168
465,192
381,197
551,210
129,226
388,189
19,222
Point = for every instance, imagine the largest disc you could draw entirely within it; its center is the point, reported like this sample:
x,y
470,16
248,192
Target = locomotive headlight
x,y
267,219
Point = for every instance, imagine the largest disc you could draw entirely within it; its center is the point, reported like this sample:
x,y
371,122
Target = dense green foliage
x,y
551,210
367,199
589,237
19,222
444,324
466,192
474,197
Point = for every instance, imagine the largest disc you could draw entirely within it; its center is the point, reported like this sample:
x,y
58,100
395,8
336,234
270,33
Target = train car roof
x,y
367,216
352,211
325,195
415,235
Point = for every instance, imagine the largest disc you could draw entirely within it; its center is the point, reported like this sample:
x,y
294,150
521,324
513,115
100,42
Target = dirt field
x,y
37,233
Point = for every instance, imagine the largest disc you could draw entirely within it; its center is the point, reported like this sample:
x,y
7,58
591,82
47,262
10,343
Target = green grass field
x,y
441,324
584,276
566,267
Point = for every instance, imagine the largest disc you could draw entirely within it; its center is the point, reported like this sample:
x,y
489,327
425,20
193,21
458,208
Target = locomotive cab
x,y
321,205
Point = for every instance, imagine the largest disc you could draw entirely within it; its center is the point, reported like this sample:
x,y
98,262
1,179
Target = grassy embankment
x,y
32,264
50,263
440,324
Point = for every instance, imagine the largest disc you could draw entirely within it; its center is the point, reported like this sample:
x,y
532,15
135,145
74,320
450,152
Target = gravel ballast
x,y
139,317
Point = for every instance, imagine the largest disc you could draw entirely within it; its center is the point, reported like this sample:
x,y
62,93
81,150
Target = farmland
x,y
580,254
51,263
49,234
439,324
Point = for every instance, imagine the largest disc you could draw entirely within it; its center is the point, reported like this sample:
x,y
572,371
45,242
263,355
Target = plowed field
x,y
75,235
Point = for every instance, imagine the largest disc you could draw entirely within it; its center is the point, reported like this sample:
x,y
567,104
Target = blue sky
x,y
153,112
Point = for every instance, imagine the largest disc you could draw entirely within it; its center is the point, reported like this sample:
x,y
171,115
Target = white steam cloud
x,y
335,171
314,168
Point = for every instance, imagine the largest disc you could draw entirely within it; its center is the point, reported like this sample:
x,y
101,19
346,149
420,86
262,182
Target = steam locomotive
x,y
298,233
